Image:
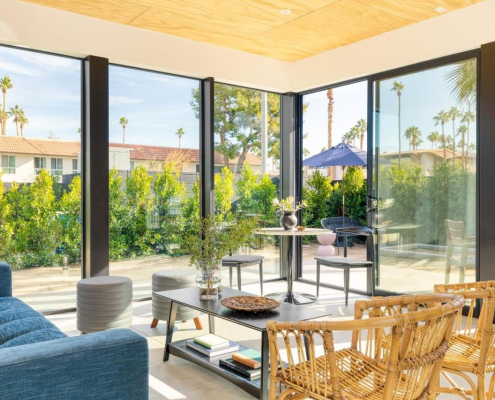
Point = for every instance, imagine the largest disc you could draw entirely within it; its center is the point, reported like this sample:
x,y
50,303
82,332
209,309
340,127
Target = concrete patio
x,y
52,288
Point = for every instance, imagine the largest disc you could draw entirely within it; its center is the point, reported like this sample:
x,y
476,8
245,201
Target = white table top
x,y
294,232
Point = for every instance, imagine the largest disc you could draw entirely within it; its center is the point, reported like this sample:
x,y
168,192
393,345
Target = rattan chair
x,y
395,353
472,347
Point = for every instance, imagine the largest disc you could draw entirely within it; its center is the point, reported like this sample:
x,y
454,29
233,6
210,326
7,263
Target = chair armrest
x,y
104,365
5,280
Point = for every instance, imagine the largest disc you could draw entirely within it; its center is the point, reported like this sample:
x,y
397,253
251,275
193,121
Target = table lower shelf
x,y
180,349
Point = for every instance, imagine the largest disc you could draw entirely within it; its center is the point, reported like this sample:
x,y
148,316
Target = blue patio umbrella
x,y
343,155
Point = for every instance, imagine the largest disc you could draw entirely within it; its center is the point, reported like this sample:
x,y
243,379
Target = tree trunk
x,y
4,115
221,134
123,135
330,123
180,137
362,141
467,146
241,159
443,143
400,150
17,128
453,142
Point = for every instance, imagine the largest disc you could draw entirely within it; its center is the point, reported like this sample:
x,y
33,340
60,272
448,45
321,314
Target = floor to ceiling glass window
x,y
154,172
40,185
247,169
331,117
425,177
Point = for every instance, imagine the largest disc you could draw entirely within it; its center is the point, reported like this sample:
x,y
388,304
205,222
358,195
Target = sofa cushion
x,y
6,303
20,324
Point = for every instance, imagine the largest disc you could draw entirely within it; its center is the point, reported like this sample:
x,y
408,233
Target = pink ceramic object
x,y
325,251
326,239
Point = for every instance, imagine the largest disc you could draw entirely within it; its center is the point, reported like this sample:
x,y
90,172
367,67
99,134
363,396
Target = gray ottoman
x,y
171,280
104,303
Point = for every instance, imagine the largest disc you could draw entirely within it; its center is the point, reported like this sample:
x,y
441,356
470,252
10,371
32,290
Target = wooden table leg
x,y
265,362
170,329
197,322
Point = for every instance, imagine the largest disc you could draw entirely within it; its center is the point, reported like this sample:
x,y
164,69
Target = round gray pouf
x,y
104,303
171,280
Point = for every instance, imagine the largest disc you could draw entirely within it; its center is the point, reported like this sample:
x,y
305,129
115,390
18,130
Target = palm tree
x,y
466,119
347,137
355,134
442,118
330,123
414,135
5,84
398,87
15,113
123,121
433,137
2,113
462,130
454,113
23,121
180,132
362,127
462,81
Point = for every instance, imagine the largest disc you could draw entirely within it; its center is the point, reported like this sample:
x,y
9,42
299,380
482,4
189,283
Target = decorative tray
x,y
250,303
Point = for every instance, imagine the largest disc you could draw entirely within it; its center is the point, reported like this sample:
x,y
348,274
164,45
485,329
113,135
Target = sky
x,y
425,94
48,89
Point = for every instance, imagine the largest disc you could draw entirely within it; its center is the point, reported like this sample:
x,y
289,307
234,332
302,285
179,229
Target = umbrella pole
x,y
343,196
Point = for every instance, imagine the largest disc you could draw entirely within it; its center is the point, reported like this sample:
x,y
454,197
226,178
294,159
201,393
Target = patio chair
x,y
333,223
472,349
456,238
395,353
346,264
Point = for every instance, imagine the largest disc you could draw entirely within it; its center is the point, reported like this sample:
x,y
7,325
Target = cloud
x,y
49,62
19,69
120,100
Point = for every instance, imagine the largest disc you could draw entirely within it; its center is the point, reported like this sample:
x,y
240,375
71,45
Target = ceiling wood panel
x,y
119,11
417,10
258,27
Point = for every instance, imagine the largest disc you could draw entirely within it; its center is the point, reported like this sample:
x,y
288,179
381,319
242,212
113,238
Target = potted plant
x,y
209,243
287,209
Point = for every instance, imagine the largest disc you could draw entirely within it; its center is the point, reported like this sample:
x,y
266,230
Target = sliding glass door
x,y
424,186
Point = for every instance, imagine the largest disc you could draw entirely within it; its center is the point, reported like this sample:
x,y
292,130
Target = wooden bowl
x,y
250,303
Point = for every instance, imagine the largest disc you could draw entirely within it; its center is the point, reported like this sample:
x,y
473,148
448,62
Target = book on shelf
x,y
231,347
249,357
212,341
240,369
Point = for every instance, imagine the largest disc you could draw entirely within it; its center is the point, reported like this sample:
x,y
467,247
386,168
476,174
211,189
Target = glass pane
x,y
40,214
247,170
425,178
154,187
332,117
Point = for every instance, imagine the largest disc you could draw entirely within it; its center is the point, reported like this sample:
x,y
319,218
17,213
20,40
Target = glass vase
x,y
209,281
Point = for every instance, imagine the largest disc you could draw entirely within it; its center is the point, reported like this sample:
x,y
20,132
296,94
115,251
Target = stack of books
x,y
246,363
212,345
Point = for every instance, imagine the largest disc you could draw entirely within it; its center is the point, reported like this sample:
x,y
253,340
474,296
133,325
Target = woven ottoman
x,y
104,303
171,280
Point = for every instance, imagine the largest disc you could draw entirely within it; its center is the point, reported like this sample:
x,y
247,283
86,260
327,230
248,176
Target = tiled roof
x,y
65,148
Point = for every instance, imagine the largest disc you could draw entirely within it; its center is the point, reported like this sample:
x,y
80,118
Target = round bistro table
x,y
290,296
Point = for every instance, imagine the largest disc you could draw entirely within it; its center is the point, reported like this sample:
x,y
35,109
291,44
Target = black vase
x,y
288,220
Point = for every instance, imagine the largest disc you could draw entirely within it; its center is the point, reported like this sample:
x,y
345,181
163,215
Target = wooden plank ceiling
x,y
259,27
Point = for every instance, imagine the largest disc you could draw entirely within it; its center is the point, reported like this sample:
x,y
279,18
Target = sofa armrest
x,y
105,365
5,280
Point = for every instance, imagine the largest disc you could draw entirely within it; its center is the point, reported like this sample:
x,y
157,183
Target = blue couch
x,y
38,361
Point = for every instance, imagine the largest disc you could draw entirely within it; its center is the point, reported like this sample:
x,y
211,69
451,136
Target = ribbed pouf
x,y
170,280
104,303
